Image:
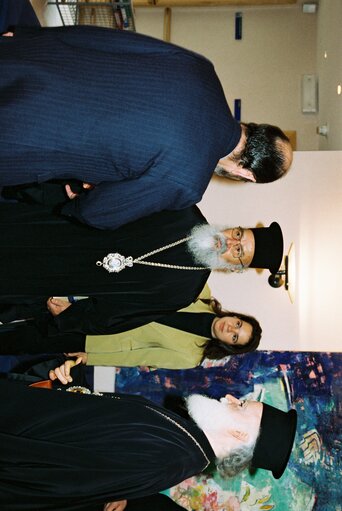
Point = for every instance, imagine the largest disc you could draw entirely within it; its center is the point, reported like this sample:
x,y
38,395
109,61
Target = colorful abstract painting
x,y
311,382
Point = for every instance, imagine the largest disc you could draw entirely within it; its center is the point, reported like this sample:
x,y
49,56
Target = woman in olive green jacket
x,y
177,341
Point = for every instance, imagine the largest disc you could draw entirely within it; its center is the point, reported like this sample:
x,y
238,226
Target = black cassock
x,y
64,451
46,255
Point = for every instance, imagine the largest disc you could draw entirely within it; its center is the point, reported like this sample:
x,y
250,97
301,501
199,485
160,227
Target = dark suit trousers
x,y
32,337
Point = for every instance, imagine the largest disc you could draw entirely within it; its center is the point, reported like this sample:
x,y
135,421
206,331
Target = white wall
x,y
264,69
329,65
307,204
47,14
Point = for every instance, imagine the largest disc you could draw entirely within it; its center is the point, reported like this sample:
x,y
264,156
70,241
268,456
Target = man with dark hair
x,y
66,451
143,121
132,275
263,155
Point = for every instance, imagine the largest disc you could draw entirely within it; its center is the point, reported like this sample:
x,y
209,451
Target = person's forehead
x,y
246,331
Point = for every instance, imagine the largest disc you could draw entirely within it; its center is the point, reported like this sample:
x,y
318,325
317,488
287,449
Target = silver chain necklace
x,y
185,431
117,262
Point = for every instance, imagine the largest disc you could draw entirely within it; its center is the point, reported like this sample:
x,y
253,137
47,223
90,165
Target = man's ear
x,y
239,435
244,174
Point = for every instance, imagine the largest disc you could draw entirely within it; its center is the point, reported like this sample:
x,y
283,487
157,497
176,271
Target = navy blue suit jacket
x,y
143,120
17,12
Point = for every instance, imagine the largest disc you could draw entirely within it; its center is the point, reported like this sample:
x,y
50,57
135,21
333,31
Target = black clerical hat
x,y
269,246
274,445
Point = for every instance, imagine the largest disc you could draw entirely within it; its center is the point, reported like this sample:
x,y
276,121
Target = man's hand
x,y
62,373
73,195
115,506
8,34
78,354
56,305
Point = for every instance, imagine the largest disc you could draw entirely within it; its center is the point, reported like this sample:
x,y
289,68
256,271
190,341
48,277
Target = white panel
x,y
309,94
104,379
309,8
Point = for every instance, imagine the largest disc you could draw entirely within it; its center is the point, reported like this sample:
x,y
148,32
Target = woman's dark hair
x,y
263,154
215,349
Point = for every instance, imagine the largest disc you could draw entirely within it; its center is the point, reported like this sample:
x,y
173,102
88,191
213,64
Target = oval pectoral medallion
x,y
115,262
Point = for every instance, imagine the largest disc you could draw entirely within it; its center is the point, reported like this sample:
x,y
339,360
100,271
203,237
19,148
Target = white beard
x,y
202,245
209,414
216,419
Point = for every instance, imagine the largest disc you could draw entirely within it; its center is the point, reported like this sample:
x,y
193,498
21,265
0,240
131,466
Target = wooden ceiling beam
x,y
204,3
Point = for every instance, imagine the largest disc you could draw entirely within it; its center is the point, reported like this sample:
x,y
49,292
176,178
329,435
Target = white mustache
x,y
203,246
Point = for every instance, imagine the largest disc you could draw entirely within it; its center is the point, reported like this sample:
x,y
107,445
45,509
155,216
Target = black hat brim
x,y
274,445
